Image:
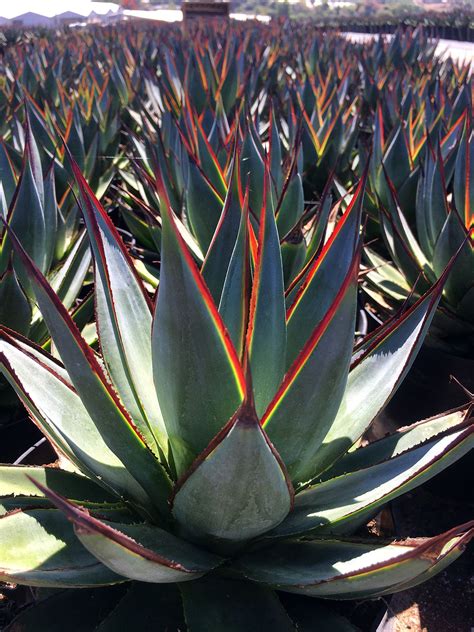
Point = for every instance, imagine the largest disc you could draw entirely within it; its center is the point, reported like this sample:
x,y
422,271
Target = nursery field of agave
x,y
221,253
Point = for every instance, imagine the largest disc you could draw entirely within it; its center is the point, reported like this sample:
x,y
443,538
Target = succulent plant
x,y
50,233
215,435
213,446
202,184
49,229
422,232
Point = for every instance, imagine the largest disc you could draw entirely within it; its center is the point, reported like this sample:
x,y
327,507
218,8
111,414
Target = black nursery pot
x,y
18,435
428,390
22,443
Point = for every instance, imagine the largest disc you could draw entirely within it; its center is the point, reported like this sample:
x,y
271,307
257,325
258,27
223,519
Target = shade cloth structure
x,y
37,12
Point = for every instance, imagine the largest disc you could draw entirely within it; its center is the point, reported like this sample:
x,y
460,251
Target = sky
x,y
53,7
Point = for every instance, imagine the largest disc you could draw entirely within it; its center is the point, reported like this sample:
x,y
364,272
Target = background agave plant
x,y
52,236
50,233
203,182
423,224
213,445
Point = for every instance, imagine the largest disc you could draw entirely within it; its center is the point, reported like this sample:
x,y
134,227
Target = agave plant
x,y
206,182
330,115
48,227
420,246
213,446
51,234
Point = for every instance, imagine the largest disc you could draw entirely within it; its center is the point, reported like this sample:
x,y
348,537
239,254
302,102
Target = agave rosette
x,y
48,227
202,178
331,115
423,225
211,438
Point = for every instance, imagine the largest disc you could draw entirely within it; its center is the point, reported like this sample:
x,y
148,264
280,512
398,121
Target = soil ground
x,y
446,603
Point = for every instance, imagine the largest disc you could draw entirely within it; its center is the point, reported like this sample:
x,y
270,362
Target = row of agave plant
x,y
202,380
456,23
